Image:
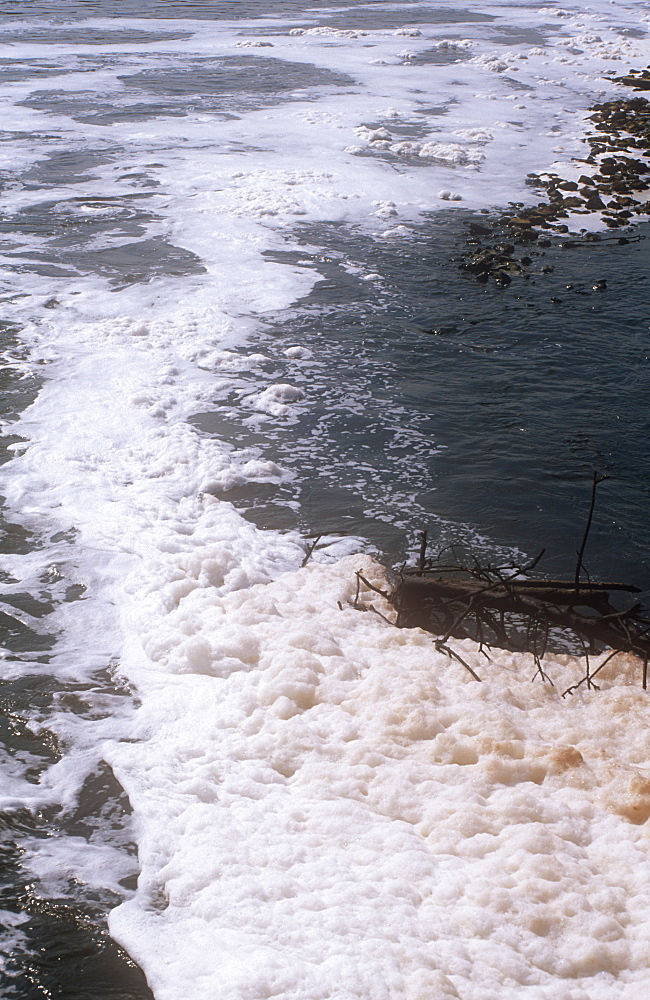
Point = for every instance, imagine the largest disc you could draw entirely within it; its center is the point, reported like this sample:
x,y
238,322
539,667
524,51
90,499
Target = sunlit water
x,y
217,284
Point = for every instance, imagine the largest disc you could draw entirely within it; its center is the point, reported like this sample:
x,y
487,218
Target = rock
x,y
477,230
618,154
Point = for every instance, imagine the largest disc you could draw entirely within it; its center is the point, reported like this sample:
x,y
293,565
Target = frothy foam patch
x,y
298,353
347,808
14,941
526,74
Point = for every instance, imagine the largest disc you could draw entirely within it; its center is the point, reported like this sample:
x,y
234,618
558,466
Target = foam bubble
x,y
298,353
277,399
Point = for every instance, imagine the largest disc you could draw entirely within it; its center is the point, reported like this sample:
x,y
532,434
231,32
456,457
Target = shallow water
x,y
480,405
232,302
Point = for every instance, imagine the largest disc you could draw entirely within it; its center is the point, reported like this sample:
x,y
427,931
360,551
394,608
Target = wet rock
x,y
621,137
593,202
637,79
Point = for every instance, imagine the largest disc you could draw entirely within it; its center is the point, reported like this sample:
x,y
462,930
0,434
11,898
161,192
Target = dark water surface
x,y
518,395
66,953
233,9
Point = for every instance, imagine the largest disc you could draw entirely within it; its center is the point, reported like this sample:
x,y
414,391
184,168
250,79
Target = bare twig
x,y
443,648
355,603
581,551
371,586
574,687
588,679
422,559
310,550
540,672
371,607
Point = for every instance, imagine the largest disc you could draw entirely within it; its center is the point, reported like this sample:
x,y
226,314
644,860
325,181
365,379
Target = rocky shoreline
x,y
611,182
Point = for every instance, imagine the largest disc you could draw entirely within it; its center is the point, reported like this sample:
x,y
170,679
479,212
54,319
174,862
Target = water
x,y
478,406
233,321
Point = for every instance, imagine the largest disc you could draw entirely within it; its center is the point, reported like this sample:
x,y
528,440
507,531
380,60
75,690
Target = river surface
x,y
234,333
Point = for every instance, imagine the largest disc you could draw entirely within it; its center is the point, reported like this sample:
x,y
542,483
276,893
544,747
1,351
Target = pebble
x,y
618,176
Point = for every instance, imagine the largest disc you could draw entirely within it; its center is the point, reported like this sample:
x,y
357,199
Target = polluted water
x,y
277,295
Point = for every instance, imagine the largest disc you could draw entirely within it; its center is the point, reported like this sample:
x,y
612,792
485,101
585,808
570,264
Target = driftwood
x,y
503,606
519,614
416,588
430,601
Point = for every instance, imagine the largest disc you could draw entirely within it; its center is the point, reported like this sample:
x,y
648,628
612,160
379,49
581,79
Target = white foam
x,y
349,807
298,353
13,941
